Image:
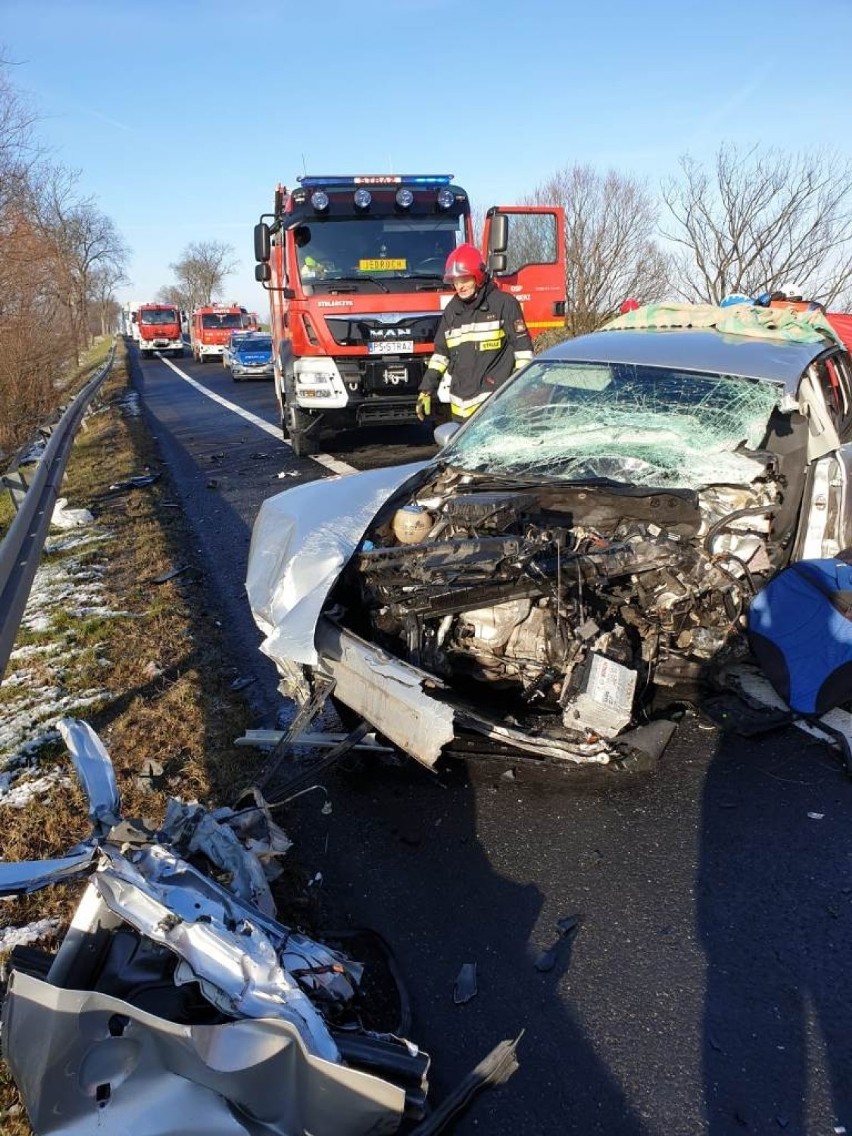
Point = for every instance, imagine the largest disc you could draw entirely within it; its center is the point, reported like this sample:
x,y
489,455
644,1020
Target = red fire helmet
x,y
466,260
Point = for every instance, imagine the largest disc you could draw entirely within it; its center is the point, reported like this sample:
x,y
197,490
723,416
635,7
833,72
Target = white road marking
x,y
326,460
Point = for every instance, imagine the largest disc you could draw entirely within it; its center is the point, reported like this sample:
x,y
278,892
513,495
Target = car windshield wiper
x,y
357,280
490,480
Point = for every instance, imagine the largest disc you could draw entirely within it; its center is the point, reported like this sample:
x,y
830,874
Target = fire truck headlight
x,y
319,200
445,198
404,198
362,198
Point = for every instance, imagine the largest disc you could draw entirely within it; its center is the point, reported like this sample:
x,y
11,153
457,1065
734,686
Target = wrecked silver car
x,y
177,1003
579,557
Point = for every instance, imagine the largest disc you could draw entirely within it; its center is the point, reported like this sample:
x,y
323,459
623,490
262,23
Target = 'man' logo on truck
x,y
390,333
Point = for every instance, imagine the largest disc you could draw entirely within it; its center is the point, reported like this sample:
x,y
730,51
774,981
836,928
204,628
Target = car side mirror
x,y
444,432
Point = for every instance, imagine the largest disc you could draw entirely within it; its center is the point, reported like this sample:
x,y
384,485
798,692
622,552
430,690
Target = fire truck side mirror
x,y
262,244
262,273
497,262
498,236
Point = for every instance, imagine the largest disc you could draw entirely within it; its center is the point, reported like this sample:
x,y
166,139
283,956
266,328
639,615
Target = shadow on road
x,y
774,909
401,853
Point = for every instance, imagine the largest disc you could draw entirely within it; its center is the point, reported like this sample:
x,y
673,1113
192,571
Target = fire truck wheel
x,y
304,444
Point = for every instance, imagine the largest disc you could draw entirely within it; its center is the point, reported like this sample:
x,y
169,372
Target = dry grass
x,y
179,718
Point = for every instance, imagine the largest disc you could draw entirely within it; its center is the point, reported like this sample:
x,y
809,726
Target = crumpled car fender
x,y
301,540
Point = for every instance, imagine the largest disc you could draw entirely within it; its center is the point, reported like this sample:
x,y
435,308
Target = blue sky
x,y
182,116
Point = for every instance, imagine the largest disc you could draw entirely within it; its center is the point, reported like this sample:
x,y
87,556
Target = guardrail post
x,y
14,481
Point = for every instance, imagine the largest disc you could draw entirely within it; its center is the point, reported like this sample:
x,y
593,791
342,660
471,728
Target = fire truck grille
x,y
386,376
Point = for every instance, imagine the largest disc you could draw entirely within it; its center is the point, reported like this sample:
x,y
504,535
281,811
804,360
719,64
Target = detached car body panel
x,y
583,551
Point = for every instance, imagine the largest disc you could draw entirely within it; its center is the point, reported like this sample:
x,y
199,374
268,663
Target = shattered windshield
x,y
644,425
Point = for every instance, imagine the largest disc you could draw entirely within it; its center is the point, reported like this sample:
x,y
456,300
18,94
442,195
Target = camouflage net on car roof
x,y
629,430
738,319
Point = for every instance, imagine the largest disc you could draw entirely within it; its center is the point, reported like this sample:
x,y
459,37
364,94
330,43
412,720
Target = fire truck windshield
x,y
219,320
158,316
389,248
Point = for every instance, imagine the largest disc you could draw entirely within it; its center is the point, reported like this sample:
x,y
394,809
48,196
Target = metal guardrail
x,y
20,550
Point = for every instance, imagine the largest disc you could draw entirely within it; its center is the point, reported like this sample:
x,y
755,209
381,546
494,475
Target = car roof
x,y
694,349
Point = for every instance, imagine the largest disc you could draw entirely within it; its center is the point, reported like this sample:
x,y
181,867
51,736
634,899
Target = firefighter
x,y
313,265
481,339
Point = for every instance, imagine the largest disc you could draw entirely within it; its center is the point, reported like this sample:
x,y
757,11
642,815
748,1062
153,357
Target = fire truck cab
x,y
354,269
158,329
211,327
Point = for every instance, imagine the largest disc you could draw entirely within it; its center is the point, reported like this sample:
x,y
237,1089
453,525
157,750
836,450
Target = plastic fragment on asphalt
x,y
465,985
816,816
493,1070
138,482
170,575
568,927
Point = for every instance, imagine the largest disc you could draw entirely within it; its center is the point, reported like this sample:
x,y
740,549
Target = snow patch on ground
x,y
75,540
34,651
30,933
23,792
130,404
34,695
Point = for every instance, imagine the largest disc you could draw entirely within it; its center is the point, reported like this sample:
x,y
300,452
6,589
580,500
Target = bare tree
x,y
611,250
57,252
172,294
104,279
84,241
33,333
201,271
760,219
19,148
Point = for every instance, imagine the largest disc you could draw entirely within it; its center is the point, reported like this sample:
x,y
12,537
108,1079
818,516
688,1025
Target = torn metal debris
x,y
178,1001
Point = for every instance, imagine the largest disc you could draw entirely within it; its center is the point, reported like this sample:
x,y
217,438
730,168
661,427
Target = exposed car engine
x,y
579,602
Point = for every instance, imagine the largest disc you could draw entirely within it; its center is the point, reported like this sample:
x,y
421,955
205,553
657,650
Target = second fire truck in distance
x,y
210,328
158,329
354,268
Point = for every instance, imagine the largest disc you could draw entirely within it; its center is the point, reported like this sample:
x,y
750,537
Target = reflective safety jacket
x,y
480,343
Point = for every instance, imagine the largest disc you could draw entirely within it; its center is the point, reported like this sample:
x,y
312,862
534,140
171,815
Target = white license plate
x,y
391,347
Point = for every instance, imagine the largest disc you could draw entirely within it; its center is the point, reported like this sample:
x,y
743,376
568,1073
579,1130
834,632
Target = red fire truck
x,y
354,269
211,327
158,329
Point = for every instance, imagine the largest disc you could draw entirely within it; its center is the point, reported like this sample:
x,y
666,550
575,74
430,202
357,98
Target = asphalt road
x,y
704,990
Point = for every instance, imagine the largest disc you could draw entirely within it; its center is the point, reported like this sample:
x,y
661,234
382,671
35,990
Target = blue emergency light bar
x,y
313,182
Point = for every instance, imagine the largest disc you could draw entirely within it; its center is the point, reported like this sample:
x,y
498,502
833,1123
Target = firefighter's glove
x,y
423,409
